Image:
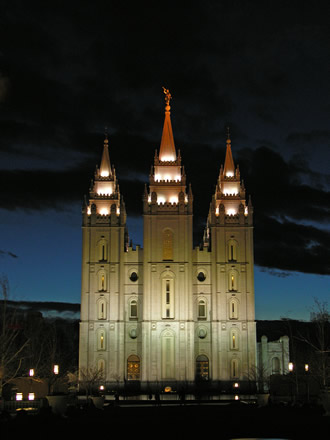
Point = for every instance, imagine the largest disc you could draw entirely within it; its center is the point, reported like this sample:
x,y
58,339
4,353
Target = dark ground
x,y
225,421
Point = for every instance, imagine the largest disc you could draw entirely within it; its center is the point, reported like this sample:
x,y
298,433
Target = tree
x,y
89,379
319,342
13,341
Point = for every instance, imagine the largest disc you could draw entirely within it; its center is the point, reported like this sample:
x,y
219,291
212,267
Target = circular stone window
x,y
201,276
133,333
134,276
202,333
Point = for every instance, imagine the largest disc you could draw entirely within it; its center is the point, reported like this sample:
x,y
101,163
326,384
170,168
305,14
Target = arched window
x,y
102,281
102,248
133,367
133,309
168,355
202,368
234,368
167,298
101,367
101,340
233,280
202,309
233,308
234,339
101,309
232,249
276,365
167,244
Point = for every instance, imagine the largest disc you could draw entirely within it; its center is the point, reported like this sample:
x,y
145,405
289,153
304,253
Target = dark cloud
x,y
70,70
4,253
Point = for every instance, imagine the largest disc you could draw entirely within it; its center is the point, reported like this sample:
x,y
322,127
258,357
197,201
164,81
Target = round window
x,y
134,276
201,276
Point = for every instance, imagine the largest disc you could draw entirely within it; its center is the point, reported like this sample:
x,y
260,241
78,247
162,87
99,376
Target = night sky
x,y
70,69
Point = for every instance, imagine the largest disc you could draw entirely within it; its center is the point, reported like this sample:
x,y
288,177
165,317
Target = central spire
x,y
229,168
167,148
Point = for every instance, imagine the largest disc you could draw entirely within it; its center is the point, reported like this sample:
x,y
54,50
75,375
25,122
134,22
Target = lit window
x,y
133,368
19,396
202,368
31,396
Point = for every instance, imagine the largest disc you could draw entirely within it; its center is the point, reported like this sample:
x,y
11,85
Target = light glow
x,y
56,369
168,158
19,396
306,367
290,366
31,396
229,174
104,173
31,372
103,191
88,210
231,211
104,211
230,192
174,199
236,397
160,199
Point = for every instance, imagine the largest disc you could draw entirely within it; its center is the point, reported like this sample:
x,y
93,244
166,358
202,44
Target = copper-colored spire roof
x,y
105,168
167,148
229,168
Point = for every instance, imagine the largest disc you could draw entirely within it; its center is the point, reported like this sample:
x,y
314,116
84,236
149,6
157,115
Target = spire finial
x,y
228,135
168,97
106,141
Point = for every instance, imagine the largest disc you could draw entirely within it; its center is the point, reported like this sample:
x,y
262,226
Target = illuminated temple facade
x,y
168,311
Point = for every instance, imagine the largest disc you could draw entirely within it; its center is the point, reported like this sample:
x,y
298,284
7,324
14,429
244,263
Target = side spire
x,y
105,167
167,148
229,167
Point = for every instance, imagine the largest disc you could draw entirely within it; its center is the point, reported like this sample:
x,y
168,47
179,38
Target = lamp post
x,y
307,380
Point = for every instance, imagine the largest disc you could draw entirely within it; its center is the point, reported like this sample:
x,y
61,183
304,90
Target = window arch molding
x,y
102,280
233,278
133,307
234,342
167,282
167,243
101,305
234,368
133,367
202,307
101,339
232,249
102,249
233,308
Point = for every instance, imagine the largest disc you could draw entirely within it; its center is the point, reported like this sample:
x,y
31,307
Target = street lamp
x,y
56,369
306,368
290,366
31,372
